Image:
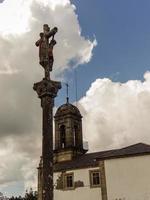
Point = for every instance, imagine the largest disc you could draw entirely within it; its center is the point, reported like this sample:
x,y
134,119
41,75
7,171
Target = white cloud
x,y
26,19
116,114
54,3
14,16
20,120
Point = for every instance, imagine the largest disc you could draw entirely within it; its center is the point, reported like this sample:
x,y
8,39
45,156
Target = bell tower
x,y
68,133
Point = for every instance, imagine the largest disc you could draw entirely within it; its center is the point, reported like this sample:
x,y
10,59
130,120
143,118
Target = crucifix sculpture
x,y
46,58
47,90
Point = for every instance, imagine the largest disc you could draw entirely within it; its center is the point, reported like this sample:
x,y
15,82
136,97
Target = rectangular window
x,y
94,178
68,181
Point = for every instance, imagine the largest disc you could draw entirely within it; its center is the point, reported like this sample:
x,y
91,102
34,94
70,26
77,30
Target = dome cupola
x,y
67,109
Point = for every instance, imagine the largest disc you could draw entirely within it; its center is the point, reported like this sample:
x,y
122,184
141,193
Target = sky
x,y
102,52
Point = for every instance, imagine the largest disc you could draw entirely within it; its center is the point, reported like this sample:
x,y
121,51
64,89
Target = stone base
x,y
67,154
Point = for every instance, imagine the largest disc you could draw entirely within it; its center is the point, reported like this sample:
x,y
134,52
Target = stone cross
x,y
46,58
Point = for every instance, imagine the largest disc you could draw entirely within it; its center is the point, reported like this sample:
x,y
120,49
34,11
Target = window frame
x,y
91,172
65,181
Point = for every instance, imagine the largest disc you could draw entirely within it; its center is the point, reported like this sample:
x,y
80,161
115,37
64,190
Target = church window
x,y
63,136
94,178
68,181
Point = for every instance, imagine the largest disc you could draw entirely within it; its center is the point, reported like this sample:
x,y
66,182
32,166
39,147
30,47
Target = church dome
x,y
67,108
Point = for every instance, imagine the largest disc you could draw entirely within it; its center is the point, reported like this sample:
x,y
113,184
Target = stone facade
x,y
81,189
126,178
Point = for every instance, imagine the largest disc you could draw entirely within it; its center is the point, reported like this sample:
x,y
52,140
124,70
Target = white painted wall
x,y
82,193
128,178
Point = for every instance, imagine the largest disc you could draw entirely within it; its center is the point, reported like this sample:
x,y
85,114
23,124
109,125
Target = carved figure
x,y
42,49
45,48
50,52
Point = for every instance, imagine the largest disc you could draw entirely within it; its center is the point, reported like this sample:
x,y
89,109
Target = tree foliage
x,y
29,195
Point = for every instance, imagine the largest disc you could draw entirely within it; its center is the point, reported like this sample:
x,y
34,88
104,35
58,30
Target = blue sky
x,y
122,30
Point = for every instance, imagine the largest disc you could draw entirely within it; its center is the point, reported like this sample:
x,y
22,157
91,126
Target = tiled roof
x,y
91,159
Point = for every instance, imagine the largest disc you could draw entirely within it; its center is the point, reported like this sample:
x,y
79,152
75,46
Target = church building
x,y
118,174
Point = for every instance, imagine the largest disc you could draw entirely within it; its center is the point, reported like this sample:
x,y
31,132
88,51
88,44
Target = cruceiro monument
x,y
47,90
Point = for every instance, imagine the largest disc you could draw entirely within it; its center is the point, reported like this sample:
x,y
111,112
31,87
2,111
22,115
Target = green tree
x,y
29,195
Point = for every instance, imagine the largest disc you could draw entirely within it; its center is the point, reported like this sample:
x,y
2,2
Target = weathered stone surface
x,y
47,88
103,180
68,133
47,91
46,48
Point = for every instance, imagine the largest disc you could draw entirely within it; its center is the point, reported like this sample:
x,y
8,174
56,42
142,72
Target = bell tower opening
x,y
75,135
62,136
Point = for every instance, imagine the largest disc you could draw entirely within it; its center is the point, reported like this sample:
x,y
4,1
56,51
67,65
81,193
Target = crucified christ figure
x,y
46,58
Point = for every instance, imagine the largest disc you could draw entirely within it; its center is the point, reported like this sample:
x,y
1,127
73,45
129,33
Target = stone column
x,y
47,91
40,177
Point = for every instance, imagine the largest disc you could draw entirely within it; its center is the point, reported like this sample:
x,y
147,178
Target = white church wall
x,y
128,178
80,193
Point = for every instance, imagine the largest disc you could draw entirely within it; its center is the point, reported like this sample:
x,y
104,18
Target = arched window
x,y
63,136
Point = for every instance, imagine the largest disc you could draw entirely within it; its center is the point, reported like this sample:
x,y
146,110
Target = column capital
x,y
47,88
